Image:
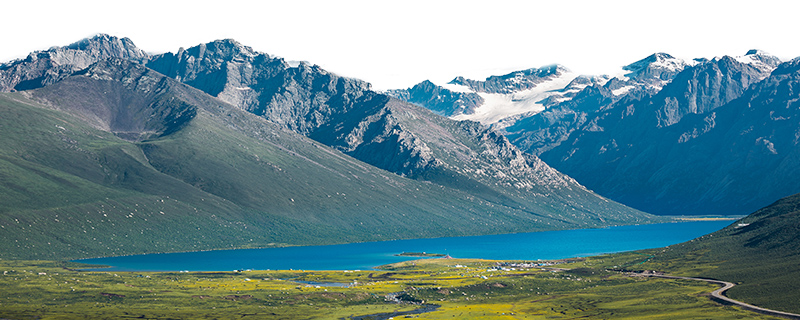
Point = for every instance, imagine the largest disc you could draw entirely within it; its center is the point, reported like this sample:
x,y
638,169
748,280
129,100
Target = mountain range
x,y
108,150
666,136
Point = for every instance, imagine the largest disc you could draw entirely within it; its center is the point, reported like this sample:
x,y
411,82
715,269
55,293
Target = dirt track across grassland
x,y
718,295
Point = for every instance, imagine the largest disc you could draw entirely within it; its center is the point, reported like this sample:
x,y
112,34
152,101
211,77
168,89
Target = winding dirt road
x,y
717,294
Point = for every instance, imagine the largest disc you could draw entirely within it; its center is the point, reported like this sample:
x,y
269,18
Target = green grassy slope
x,y
760,253
122,160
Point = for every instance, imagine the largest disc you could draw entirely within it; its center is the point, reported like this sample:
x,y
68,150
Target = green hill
x,y
118,159
760,253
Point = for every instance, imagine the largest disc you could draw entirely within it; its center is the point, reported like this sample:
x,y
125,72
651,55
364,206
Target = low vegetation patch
x,y
441,288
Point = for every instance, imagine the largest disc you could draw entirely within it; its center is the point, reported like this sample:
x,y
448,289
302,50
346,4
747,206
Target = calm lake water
x,y
363,256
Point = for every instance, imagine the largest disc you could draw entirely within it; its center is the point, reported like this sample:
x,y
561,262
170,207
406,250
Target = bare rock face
x,y
655,70
301,98
46,67
444,102
340,112
122,97
705,87
512,82
719,139
377,129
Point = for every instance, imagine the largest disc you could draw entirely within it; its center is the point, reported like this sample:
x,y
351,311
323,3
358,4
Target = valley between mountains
x,y
107,150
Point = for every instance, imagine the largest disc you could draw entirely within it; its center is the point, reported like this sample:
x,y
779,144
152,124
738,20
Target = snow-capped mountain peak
x,y
759,59
656,69
510,102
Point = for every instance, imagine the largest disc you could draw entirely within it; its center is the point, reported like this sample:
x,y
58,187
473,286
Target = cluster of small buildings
x,y
511,266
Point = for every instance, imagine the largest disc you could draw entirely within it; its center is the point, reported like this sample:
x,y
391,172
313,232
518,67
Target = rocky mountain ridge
x,y
141,157
619,135
646,152
49,66
343,113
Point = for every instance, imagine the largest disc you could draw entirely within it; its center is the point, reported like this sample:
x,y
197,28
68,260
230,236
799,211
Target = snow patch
x,y
295,63
497,106
622,91
457,88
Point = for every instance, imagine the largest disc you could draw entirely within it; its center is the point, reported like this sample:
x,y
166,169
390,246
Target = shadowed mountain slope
x,y
721,156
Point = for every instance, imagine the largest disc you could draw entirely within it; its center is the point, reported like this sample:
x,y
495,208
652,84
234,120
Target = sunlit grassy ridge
x,y
461,289
760,253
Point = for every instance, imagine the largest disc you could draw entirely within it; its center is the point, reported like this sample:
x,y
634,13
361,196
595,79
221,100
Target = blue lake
x,y
362,256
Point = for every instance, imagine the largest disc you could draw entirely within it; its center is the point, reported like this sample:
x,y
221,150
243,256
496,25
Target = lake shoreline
x,y
548,245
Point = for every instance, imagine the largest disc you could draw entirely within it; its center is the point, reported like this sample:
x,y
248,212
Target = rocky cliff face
x,y
549,128
656,70
46,67
440,100
301,98
670,153
705,87
512,82
382,131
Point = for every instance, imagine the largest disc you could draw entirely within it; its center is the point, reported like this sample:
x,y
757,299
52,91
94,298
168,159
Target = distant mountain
x,y
498,97
644,151
628,137
759,253
585,96
123,156
439,99
656,70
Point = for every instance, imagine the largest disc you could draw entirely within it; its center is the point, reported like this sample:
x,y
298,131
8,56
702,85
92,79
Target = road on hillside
x,y
717,294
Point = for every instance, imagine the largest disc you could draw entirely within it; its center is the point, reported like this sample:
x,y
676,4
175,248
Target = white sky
x,y
396,44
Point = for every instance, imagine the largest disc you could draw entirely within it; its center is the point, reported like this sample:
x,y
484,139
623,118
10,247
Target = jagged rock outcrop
x,y
514,81
438,99
382,131
705,87
655,70
301,98
678,152
49,66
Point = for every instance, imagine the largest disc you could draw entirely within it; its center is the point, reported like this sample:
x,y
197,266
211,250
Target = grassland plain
x,y
574,288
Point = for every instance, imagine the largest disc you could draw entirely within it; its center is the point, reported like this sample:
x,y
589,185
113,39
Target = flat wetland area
x,y
442,288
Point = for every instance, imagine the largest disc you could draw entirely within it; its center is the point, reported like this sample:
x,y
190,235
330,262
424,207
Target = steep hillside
x,y
226,179
760,253
117,158
696,153
656,138
392,135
